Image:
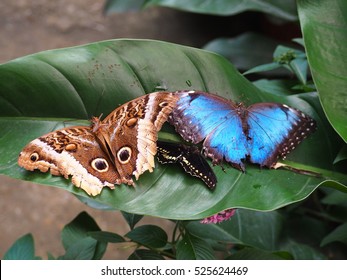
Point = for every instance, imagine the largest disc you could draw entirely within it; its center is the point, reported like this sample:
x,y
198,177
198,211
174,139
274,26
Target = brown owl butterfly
x,y
108,152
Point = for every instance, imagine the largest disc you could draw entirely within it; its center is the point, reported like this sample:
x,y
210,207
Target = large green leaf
x,y
280,8
79,82
324,25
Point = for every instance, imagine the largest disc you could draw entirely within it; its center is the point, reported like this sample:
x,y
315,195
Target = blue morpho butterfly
x,y
260,133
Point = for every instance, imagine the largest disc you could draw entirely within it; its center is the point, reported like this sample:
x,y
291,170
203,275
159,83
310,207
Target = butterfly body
x,y
260,133
108,152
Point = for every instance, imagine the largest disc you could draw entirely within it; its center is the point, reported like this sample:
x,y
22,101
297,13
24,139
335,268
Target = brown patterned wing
x,y
73,152
129,134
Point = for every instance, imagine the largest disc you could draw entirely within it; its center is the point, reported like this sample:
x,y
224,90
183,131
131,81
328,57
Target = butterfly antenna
x,y
99,101
297,170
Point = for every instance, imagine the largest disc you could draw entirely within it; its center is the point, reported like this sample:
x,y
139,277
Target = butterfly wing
x,y
200,116
168,152
73,152
130,132
227,142
274,130
197,114
190,158
261,133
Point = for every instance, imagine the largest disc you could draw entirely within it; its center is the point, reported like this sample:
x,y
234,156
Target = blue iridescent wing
x,y
228,143
274,130
200,116
260,133
197,114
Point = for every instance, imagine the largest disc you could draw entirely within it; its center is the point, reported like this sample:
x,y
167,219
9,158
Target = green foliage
x,y
71,85
282,9
22,249
323,29
93,79
240,50
247,235
337,235
291,59
148,235
132,219
76,241
191,247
